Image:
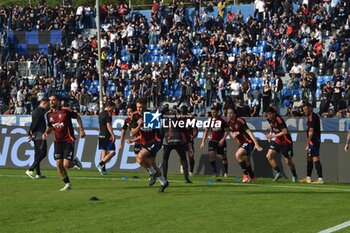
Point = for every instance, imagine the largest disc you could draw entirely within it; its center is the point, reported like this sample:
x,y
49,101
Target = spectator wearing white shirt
x,y
222,89
130,30
75,44
79,14
74,85
235,89
260,8
21,94
296,69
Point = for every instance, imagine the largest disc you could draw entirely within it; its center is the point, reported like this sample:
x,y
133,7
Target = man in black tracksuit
x,y
174,139
37,128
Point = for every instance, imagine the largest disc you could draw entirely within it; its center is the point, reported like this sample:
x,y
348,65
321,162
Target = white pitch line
x,y
336,228
304,187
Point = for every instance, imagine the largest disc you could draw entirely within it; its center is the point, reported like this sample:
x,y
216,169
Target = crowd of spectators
x,y
196,58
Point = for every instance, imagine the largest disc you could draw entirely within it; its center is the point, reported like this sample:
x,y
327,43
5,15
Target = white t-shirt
x,y
130,31
296,69
75,44
80,10
221,85
113,37
74,86
260,6
236,88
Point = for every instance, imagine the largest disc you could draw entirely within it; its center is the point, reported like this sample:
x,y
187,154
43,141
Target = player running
x,y
60,120
246,141
217,141
151,143
283,144
127,125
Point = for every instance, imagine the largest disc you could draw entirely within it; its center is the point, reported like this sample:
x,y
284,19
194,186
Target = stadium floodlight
x,y
99,53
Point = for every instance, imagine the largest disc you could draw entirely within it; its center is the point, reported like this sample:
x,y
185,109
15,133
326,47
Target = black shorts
x,y
314,150
64,150
137,148
214,146
153,147
285,150
106,144
248,147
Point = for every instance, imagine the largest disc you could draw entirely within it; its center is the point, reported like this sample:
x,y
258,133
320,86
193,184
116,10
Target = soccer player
x,y
283,144
190,134
151,143
106,137
312,145
36,130
60,120
131,115
126,125
246,141
174,139
217,141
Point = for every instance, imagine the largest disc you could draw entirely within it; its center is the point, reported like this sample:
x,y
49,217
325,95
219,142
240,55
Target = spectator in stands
x,y
236,89
10,111
176,43
20,108
83,100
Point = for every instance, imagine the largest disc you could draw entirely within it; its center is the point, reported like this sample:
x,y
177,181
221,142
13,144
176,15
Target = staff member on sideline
x,y
36,130
106,136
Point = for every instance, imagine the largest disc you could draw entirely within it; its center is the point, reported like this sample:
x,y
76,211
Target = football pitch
x,y
127,204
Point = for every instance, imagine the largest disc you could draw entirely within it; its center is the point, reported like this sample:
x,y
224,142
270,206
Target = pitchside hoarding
x,y
16,151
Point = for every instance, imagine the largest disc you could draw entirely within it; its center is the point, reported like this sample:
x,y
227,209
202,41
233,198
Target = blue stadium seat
x,y
261,49
162,59
320,79
155,52
327,78
248,49
112,89
318,94
235,50
255,50
296,92
274,54
155,58
304,41
96,82
268,55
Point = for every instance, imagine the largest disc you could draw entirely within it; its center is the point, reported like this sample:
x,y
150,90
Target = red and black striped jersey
x,y
277,126
217,133
61,121
240,125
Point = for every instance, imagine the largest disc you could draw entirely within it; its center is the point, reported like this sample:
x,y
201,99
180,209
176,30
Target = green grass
x,y
130,206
